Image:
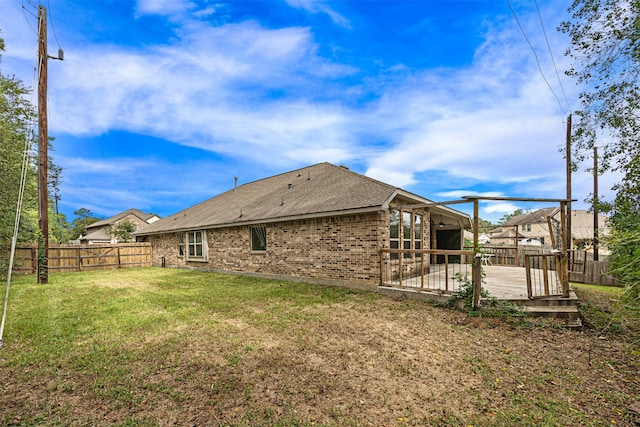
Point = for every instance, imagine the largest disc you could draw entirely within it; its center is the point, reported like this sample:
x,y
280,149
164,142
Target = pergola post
x,y
564,259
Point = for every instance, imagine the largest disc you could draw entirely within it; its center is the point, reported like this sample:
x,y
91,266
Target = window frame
x,y
195,244
405,232
394,242
254,231
181,247
417,233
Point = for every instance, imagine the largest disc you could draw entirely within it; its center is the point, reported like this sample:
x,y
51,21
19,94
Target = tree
x,y
485,225
605,44
84,218
123,231
16,118
507,217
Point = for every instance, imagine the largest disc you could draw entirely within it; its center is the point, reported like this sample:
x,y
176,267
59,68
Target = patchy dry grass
x,y
160,347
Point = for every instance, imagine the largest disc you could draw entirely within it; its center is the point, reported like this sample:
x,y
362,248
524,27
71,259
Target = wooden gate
x,y
547,275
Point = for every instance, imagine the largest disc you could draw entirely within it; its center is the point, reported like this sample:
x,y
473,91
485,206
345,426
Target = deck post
x,y
422,271
528,273
476,220
477,279
382,272
564,260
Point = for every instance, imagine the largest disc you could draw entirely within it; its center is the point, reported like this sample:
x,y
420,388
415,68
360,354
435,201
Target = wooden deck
x,y
502,282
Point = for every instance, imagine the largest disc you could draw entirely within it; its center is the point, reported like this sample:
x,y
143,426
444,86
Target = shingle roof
x,y
109,221
315,190
101,234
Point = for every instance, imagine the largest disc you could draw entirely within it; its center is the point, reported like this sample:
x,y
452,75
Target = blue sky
x,y
159,104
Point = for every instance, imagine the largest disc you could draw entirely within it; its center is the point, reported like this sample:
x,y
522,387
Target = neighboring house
x,y
582,228
504,236
100,232
483,239
323,223
533,228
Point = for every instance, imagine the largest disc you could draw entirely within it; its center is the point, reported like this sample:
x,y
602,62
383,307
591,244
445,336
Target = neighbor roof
x,y
98,235
319,190
143,216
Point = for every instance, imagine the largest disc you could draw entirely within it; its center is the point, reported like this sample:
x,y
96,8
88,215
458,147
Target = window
x,y
394,231
259,238
417,233
406,232
411,235
526,227
196,248
180,244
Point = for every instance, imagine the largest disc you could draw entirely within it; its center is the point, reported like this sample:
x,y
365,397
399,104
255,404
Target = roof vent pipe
x,y
235,183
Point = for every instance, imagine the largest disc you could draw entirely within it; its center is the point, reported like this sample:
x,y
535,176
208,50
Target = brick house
x,y
319,224
100,231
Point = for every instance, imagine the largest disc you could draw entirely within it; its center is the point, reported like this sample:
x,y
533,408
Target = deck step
x,y
560,312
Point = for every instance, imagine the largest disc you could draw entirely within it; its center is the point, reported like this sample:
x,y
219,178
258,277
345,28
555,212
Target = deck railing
x,y
434,270
546,275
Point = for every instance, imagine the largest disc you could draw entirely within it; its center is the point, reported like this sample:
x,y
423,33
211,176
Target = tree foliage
x,y
605,45
17,123
16,118
84,218
123,231
506,217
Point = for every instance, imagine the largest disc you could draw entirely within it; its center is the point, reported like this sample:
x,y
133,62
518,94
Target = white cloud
x,y
495,121
319,6
251,92
162,7
211,90
500,208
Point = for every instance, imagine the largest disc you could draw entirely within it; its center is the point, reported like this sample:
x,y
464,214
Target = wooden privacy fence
x,y
83,257
583,269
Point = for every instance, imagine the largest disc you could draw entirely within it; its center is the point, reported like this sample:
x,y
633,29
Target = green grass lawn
x,y
156,347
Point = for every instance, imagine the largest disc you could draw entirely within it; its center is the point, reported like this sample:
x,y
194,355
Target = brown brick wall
x,y
341,249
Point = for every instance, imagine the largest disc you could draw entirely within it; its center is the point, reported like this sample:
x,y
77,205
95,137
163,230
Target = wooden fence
x,y
65,258
582,267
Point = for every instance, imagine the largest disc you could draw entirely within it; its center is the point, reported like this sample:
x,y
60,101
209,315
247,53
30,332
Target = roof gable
x,y
109,221
319,189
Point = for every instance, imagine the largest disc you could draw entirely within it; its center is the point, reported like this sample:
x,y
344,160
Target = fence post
x,y
381,268
477,280
34,260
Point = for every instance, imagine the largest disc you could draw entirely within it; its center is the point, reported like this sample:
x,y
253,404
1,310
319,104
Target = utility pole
x,y
569,241
43,157
596,231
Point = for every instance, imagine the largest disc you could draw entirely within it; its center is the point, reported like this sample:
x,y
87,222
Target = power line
x,y
55,36
544,32
536,57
